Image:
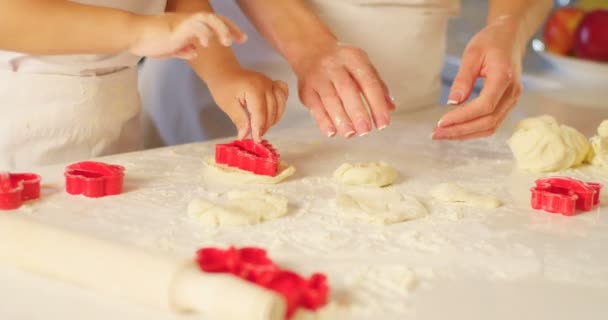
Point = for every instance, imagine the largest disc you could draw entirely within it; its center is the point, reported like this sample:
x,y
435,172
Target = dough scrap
x,y
541,144
599,146
372,174
225,174
380,206
242,208
453,193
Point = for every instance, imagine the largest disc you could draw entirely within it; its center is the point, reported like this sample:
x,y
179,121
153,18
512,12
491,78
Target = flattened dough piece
x,y
241,208
225,174
380,206
450,192
372,174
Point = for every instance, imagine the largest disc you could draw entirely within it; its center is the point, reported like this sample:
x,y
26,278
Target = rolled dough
x,y
229,175
155,280
373,174
241,208
380,206
453,193
541,144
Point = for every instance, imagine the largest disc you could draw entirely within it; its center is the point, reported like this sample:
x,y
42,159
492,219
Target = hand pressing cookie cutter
x,y
253,265
565,195
94,179
15,188
259,158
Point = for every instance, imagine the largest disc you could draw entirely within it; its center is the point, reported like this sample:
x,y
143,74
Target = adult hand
x,y
494,54
334,84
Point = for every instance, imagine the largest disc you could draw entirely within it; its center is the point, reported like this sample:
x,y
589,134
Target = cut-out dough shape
x,y
373,174
380,206
225,174
541,144
453,193
241,208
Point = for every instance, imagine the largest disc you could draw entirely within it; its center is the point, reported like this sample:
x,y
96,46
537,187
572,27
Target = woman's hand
x,y
253,101
332,84
494,54
176,35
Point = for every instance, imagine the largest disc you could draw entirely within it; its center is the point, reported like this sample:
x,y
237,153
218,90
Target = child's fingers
x,y
202,32
281,97
238,115
271,107
256,104
218,27
235,32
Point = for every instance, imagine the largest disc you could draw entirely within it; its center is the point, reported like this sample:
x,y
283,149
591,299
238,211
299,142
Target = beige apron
x,y
65,108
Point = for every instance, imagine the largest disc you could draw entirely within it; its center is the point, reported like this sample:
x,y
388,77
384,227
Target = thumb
x,y
464,81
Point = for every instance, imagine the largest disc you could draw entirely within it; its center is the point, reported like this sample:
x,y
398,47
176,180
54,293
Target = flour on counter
x,y
241,208
453,193
373,174
380,206
542,145
229,175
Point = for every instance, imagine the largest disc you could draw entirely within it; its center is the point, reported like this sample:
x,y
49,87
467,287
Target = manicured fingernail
x,y
439,123
331,134
363,134
455,97
382,127
349,134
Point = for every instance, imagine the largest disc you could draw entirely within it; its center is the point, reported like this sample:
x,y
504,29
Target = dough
x,y
373,174
450,192
542,145
242,208
599,152
380,206
155,280
225,174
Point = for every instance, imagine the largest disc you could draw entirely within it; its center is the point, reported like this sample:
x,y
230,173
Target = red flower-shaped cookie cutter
x,y
565,195
94,179
253,265
259,158
15,188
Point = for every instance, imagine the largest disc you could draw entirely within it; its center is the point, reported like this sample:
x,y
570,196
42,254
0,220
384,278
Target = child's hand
x,y
176,35
253,102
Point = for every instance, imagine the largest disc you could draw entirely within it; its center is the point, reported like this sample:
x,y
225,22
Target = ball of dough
x,y
599,144
542,145
373,174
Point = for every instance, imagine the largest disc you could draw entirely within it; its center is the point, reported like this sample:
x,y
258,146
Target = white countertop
x,y
461,263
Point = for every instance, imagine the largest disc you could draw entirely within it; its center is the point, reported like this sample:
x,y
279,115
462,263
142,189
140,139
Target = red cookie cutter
x,y
94,179
253,265
15,188
565,195
259,158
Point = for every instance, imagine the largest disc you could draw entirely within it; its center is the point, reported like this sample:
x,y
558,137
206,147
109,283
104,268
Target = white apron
x,y
409,57
65,108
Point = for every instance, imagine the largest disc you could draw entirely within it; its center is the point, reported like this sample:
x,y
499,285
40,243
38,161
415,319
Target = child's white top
x,y
89,64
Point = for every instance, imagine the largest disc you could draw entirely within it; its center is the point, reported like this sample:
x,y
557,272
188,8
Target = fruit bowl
x,y
577,69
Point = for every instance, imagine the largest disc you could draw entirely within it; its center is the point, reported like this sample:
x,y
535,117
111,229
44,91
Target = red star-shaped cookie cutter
x,y
15,188
94,179
259,158
565,195
253,265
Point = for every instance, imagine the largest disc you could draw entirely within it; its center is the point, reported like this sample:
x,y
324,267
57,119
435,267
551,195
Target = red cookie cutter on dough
x,y
565,195
94,179
253,265
15,188
259,158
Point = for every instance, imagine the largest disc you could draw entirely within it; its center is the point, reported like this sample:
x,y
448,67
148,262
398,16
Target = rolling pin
x,y
155,280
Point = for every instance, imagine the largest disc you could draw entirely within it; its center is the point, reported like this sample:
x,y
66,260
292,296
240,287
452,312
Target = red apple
x,y
591,38
560,28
